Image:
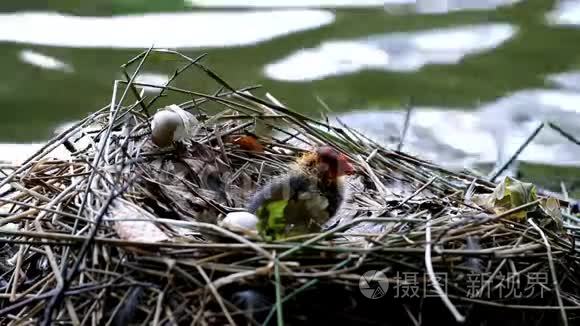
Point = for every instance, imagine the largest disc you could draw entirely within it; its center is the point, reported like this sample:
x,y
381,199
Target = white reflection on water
x,y
295,3
421,6
17,153
445,6
43,61
567,80
437,134
461,138
396,52
154,79
168,30
567,12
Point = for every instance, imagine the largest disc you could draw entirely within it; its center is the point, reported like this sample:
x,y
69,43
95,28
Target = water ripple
x,y
405,51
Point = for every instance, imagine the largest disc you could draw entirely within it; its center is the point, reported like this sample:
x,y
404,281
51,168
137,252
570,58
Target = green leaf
x,y
272,223
508,194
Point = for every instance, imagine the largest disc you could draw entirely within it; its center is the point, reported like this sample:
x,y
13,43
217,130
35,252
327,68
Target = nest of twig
x,y
126,233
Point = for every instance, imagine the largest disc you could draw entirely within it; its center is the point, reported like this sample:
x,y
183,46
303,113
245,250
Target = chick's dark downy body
x,y
311,193
308,200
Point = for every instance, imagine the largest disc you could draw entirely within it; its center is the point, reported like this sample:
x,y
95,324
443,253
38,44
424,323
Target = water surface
x,y
481,74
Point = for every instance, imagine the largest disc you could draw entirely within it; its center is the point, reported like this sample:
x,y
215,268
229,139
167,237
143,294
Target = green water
x,y
33,100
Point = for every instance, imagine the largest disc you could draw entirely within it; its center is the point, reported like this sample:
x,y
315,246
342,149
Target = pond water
x,y
481,75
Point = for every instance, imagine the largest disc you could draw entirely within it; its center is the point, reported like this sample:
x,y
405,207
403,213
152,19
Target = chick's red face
x,y
333,163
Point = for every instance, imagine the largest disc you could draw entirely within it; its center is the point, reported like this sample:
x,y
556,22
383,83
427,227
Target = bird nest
x,y
125,232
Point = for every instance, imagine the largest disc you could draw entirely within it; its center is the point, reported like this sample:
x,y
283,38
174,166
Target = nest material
x,y
126,233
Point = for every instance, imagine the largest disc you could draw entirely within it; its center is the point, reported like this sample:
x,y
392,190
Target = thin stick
x,y
517,153
418,191
564,133
300,289
552,271
217,296
344,227
429,266
278,285
60,290
158,307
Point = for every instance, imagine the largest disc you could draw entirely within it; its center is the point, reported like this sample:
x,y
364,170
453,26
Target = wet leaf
x,y
249,143
142,228
509,194
551,207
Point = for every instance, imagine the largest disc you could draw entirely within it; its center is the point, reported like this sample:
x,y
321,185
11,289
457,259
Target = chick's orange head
x,y
327,161
336,163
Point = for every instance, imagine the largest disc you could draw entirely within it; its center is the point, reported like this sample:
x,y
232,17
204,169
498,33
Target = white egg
x,y
172,124
243,220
